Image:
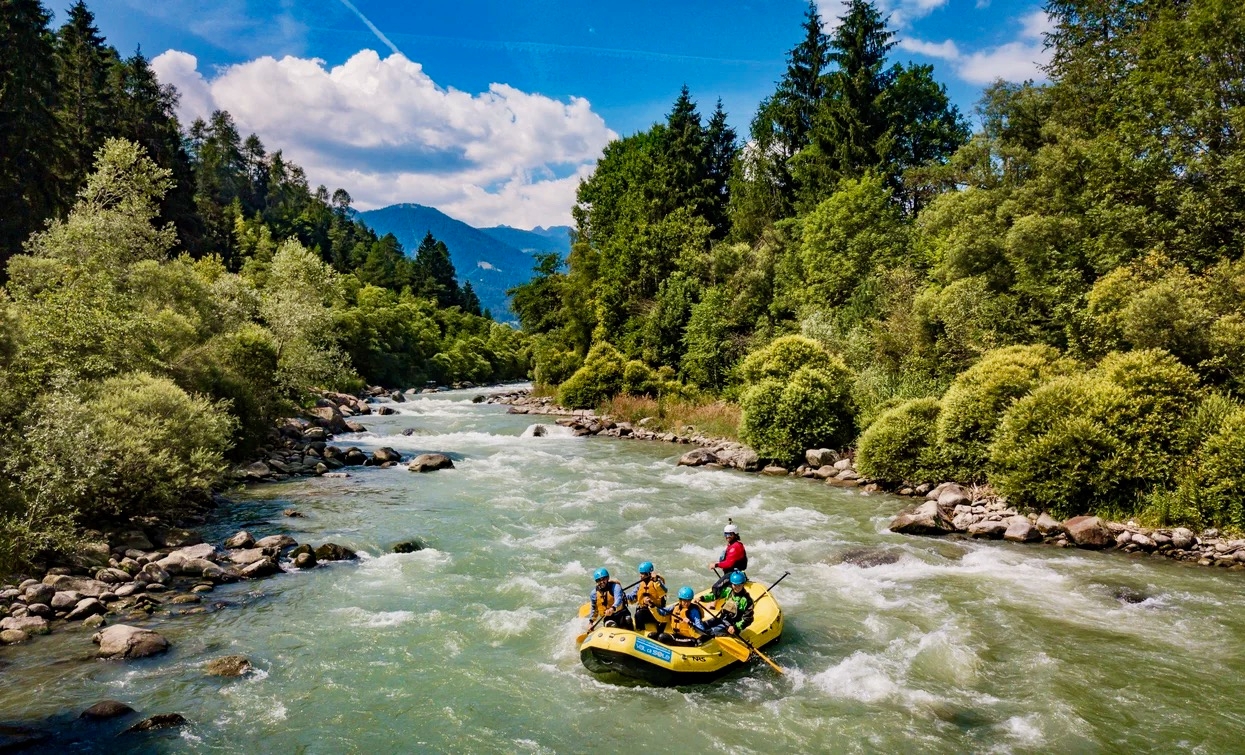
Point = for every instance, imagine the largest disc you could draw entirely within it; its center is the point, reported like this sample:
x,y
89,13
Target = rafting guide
x,y
734,558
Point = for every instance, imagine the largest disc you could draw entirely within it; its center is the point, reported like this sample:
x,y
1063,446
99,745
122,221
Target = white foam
x,y
361,617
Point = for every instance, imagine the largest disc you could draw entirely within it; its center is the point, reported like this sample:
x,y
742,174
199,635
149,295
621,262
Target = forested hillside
x,y
170,291
1053,302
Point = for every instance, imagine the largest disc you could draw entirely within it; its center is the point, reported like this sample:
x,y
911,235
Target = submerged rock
x,y
867,558
430,463
227,666
335,552
106,709
410,546
160,721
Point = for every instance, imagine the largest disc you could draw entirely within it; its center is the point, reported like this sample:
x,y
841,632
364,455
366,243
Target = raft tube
x,y
634,655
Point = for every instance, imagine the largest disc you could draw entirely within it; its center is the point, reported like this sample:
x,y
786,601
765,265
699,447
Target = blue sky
x,y
491,110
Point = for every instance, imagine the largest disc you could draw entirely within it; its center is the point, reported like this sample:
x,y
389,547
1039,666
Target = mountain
x,y
491,264
536,241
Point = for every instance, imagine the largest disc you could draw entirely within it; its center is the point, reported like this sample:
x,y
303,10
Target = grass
x,y
715,419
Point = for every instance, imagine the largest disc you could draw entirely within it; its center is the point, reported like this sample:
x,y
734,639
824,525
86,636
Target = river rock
x,y
125,591
773,470
1143,541
1087,532
27,624
305,561
196,567
40,593
240,539
199,551
15,738
40,609
94,621
124,641
247,556
13,636
86,607
410,546
925,519
227,666
176,537
153,574
106,709
1048,525
280,542
697,457
132,540
952,496
430,463
91,556
256,470
65,600
1021,530
88,587
265,567
819,457
1182,538
867,558
385,411
113,576
335,552
989,529
161,721
295,513
330,418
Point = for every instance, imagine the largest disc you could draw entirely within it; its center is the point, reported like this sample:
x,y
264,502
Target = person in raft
x,y
686,621
737,607
649,595
734,558
607,601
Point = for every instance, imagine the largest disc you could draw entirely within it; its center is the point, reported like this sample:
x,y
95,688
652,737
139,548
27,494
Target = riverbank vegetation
x,y
170,291
1052,302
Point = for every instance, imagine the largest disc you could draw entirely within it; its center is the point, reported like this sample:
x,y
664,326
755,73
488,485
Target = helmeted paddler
x,y
686,621
649,595
608,602
734,558
737,608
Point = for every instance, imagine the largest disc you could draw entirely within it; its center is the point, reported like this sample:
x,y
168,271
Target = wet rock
x,y
697,457
280,542
265,567
430,463
113,576
773,470
867,558
1130,595
1142,541
305,561
294,513
385,411
382,455
409,546
40,593
31,625
93,622
989,529
13,636
1087,532
123,641
227,666
65,600
161,721
247,556
925,519
39,609
1021,530
335,552
181,600
86,607
15,738
151,574
315,435
539,431
354,457
106,709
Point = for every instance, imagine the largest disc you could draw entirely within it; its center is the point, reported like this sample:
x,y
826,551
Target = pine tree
x,y
86,102
803,87
722,149
29,132
471,302
434,273
684,149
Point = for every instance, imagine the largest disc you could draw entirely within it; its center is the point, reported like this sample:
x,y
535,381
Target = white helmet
x,y
730,529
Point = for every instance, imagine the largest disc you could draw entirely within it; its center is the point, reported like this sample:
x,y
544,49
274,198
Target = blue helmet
x,y
685,593
646,567
738,578
601,573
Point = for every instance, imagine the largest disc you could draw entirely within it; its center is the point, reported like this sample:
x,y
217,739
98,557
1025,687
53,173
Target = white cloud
x,y
900,12
1017,60
382,129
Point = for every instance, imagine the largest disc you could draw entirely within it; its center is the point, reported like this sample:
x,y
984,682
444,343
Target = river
x,y
468,645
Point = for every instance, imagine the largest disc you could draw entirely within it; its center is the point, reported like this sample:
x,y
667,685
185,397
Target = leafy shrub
x,y
139,445
811,409
639,379
783,356
976,400
600,379
901,445
1101,440
1219,480
552,365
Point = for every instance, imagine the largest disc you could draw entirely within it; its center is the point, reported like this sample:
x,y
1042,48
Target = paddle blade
x,y
580,639
584,610
765,658
734,648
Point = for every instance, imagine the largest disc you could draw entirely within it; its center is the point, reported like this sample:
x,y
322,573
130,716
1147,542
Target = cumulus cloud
x,y
900,12
382,129
1018,60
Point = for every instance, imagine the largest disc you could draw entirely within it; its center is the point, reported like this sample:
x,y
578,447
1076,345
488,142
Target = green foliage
x,y
600,379
977,399
810,408
1099,440
782,357
639,379
552,365
901,445
709,351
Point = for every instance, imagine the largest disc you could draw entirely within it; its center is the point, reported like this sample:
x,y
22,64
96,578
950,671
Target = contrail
x,y
379,34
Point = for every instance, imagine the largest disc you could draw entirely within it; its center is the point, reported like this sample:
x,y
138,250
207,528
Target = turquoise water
x,y
468,646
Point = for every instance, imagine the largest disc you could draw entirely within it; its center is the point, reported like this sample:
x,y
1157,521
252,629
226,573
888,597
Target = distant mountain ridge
x,y
493,259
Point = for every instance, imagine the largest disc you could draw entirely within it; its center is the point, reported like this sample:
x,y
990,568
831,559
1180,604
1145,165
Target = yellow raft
x,y
632,654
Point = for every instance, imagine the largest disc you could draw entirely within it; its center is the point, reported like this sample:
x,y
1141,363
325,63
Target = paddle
x,y
727,642
586,609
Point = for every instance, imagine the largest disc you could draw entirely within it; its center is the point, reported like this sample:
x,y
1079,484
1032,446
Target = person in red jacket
x,y
734,558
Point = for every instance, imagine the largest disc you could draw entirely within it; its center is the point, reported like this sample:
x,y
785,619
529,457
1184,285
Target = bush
x,y
976,400
553,366
1219,480
783,356
639,379
138,446
1103,440
811,409
901,445
600,379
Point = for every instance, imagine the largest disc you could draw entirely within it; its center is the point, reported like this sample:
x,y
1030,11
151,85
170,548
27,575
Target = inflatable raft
x,y
634,655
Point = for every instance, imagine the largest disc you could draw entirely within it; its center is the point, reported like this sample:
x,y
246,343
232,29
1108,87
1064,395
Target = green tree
x,y
85,103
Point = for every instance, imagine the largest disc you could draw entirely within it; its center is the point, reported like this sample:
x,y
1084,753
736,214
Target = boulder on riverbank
x,y
430,463
697,457
1087,532
122,641
924,519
